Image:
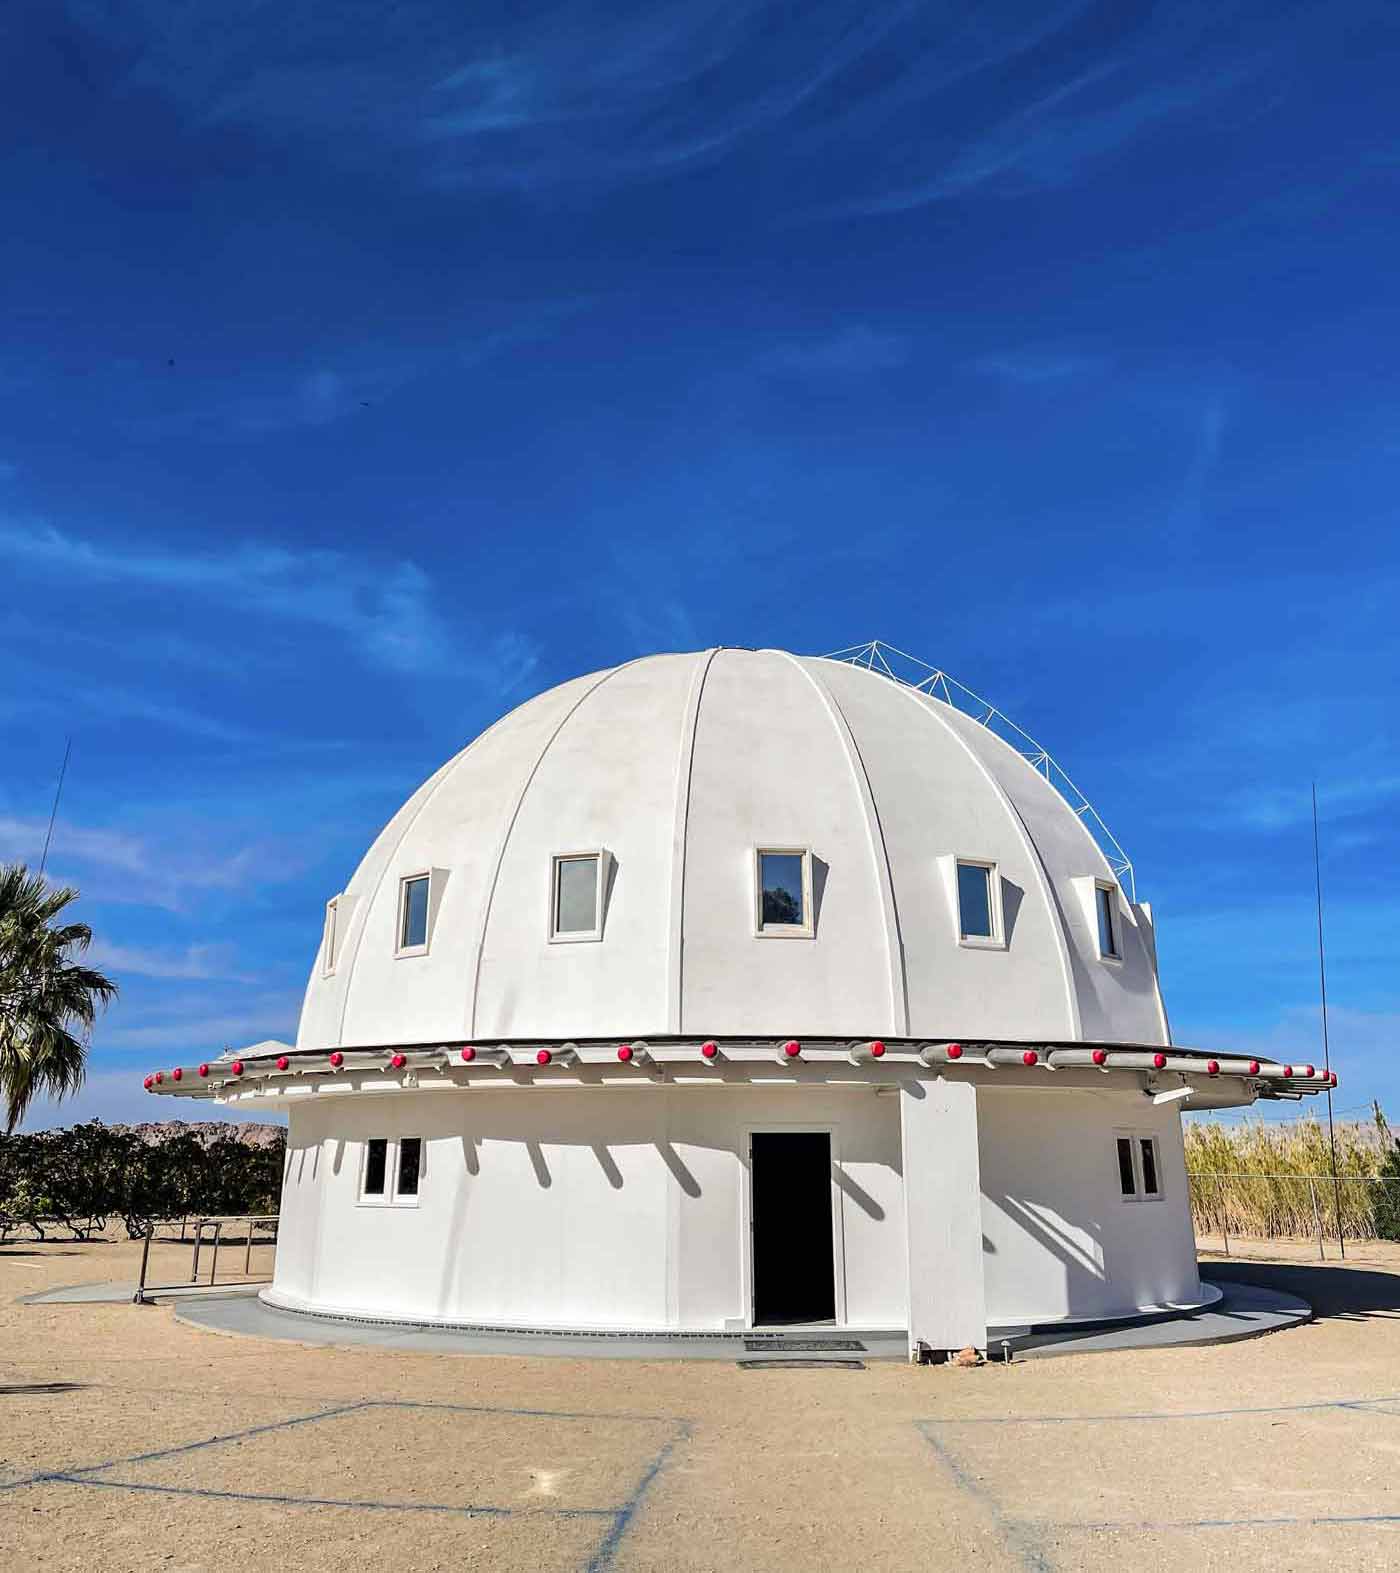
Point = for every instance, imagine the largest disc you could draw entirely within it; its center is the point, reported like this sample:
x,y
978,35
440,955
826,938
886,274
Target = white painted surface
x,y
680,779
1061,1243
543,1205
611,1208
943,1214
589,1209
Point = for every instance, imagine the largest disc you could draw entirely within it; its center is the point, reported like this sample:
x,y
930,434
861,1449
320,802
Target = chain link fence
x,y
1296,1206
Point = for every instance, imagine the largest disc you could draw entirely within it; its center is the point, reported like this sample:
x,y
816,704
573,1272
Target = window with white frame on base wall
x,y
979,903
783,892
1139,1166
578,890
391,1171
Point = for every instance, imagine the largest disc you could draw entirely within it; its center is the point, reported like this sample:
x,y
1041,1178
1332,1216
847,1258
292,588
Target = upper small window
x,y
328,944
576,896
978,916
413,912
1108,920
784,892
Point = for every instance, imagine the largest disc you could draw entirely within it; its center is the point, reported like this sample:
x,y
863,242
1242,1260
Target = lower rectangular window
x,y
376,1166
392,1171
1139,1171
410,1162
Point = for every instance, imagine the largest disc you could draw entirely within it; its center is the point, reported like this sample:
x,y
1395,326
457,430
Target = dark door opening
x,y
793,1276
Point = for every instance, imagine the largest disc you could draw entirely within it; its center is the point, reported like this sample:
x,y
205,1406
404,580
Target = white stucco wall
x,y
628,1209
630,1212
1059,1240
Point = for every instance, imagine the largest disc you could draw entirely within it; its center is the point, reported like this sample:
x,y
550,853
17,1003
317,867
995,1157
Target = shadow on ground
x,y
1350,1293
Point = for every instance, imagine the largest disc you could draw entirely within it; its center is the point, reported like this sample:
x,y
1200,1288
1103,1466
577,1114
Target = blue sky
x,y
367,367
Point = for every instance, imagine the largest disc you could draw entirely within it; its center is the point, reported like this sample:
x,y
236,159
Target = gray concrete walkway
x,y
1244,1311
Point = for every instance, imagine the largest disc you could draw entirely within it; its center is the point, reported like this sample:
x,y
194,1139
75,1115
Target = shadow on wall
x,y
857,1193
1084,1273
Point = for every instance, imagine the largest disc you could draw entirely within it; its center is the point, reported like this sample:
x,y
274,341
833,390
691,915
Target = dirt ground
x,y
176,1448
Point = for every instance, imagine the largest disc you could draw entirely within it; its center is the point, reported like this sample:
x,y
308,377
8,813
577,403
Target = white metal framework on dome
x,y
908,670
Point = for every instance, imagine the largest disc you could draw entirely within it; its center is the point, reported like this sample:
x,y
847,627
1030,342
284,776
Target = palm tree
x,y
48,1001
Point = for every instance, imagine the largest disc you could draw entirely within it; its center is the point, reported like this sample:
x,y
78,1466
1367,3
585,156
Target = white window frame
x,y
328,937
600,894
807,929
391,1196
1135,1138
996,940
401,912
1108,888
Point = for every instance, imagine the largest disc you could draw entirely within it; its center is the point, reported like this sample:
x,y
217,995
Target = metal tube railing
x,y
252,1223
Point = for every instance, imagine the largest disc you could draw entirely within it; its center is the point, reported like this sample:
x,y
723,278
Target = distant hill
x,y
153,1132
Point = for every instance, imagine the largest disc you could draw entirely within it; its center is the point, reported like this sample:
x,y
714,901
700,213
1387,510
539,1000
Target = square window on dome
x,y
414,912
978,892
784,891
578,895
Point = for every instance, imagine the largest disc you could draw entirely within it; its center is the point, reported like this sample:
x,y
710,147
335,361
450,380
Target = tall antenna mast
x,y
1326,1047
53,813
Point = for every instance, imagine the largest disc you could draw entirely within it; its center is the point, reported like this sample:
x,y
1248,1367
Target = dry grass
x,y
1274,1181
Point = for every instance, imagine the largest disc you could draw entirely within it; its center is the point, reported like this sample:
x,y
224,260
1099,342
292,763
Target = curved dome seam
x,y
501,850
675,959
1052,905
875,838
433,785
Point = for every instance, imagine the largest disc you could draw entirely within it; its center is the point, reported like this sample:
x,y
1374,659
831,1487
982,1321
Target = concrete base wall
x,y
570,1208
1059,1240
629,1209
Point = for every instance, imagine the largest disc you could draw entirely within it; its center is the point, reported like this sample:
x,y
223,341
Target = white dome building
x,y
736,988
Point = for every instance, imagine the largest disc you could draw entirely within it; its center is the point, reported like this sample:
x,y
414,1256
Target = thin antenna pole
x,y
1326,1046
53,813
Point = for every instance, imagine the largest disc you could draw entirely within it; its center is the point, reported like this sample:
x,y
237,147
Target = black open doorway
x,y
793,1276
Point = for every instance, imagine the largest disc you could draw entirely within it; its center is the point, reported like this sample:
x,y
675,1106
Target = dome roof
x,y
678,768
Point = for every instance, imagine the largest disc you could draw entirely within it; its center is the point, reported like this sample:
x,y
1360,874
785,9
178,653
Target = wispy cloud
x,y
1271,807
187,1029
117,1098
1211,422
384,610
164,871
352,380
576,95
1032,366
855,349
189,962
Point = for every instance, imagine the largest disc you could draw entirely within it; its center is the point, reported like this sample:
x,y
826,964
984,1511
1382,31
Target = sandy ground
x,y
181,1449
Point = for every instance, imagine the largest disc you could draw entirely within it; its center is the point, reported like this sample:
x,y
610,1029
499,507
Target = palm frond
x,y
48,1002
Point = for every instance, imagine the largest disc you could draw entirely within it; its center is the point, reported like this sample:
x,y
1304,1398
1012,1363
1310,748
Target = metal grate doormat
x,y
796,1346
780,1364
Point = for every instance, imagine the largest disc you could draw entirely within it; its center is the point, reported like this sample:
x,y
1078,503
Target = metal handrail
x,y
252,1222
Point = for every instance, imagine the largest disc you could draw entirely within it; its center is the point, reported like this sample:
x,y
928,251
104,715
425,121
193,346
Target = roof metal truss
x,y
910,672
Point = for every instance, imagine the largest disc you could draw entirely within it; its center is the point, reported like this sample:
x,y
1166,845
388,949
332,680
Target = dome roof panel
x,y
680,768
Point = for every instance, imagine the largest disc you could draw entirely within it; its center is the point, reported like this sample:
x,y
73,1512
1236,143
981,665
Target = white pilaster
x,y
943,1214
